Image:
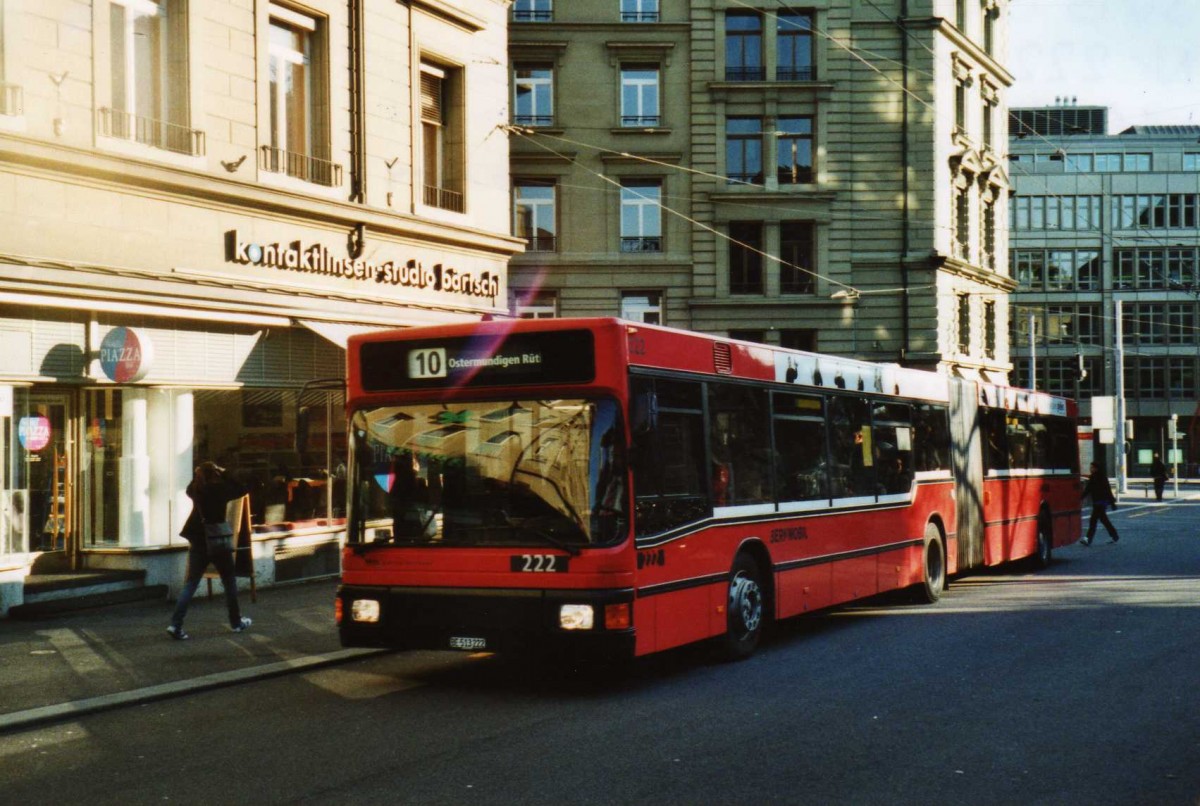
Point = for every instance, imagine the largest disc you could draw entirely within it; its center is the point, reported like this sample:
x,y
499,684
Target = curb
x,y
34,717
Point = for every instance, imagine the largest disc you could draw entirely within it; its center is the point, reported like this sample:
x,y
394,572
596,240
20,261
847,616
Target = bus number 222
x,y
539,563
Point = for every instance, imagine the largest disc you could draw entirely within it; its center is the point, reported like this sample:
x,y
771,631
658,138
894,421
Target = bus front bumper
x,y
485,620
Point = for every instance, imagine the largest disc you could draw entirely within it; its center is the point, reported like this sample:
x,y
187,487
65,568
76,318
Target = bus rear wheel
x,y
933,565
746,609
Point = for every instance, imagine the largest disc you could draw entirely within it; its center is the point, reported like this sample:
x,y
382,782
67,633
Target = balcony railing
x,y
639,121
639,16
444,198
745,73
148,131
642,244
533,120
11,100
540,243
531,15
795,73
300,166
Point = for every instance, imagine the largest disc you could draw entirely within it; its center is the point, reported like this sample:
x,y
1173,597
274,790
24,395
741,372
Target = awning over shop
x,y
338,332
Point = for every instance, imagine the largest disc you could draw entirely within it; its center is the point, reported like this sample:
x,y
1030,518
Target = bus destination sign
x,y
565,356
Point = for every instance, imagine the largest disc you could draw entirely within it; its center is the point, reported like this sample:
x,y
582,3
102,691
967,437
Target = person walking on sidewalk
x,y
1100,491
211,541
1159,472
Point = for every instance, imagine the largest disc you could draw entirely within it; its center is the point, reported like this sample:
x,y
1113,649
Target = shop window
x,y
290,451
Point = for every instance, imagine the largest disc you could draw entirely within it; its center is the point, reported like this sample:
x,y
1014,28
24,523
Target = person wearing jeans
x,y
211,490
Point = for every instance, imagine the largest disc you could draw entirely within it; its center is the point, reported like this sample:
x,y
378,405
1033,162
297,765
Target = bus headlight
x,y
365,610
576,617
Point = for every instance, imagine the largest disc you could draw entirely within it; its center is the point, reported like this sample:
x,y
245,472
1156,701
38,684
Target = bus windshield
x,y
499,473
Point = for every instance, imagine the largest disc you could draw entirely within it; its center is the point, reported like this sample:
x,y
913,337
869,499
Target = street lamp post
x,y
1119,361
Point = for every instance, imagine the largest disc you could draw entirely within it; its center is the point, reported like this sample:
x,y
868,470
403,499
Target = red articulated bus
x,y
595,486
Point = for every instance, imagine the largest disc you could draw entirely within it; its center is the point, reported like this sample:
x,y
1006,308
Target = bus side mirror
x,y
643,413
301,442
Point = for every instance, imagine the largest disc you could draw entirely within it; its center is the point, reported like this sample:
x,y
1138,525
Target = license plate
x,y
467,642
538,563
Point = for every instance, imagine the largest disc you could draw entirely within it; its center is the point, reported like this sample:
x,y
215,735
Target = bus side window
x,y
851,451
667,460
931,437
738,425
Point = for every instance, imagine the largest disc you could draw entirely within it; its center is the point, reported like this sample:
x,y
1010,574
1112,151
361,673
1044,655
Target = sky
x,y
1140,58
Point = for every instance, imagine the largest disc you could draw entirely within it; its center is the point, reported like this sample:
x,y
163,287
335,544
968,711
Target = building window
x,y
1151,378
639,96
639,10
641,215
1060,212
1181,323
794,47
11,103
989,121
1181,378
1191,161
756,336
529,304
962,222
963,320
534,214
1057,269
298,102
745,257
989,234
796,255
799,339
442,156
744,150
533,10
149,74
1072,324
1148,325
960,14
642,306
960,106
989,329
795,155
744,46
989,30
533,95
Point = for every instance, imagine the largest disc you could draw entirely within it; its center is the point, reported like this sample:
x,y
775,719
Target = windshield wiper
x,y
545,534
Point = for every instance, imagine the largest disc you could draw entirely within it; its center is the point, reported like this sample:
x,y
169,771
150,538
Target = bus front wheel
x,y
745,611
933,564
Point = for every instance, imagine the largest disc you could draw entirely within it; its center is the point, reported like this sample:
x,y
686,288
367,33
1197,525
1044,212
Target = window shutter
x,y
431,97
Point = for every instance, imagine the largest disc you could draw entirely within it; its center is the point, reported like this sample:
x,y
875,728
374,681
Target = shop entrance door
x,y
49,454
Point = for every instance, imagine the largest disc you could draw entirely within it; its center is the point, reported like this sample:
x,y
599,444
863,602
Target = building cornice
x,y
117,173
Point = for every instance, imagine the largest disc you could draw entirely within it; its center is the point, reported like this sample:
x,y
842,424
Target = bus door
x,y
967,461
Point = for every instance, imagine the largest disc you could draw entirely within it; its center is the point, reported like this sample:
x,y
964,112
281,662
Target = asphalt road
x,y
1076,685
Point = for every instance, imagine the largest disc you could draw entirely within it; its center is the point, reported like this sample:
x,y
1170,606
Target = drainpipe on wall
x,y
358,127
904,166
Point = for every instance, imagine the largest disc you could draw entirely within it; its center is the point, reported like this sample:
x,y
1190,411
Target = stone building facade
x,y
201,201
827,176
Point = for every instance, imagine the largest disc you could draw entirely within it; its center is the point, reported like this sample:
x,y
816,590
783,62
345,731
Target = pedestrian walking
x,y
1160,474
1100,491
211,541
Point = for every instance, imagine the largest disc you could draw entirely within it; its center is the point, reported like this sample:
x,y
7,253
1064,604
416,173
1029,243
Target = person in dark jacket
x,y
1158,471
211,490
1100,491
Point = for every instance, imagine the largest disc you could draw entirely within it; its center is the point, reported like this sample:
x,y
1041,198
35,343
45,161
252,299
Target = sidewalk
x,y
92,660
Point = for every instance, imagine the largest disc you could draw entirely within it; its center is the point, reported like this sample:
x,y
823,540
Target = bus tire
x,y
746,609
933,565
1044,553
